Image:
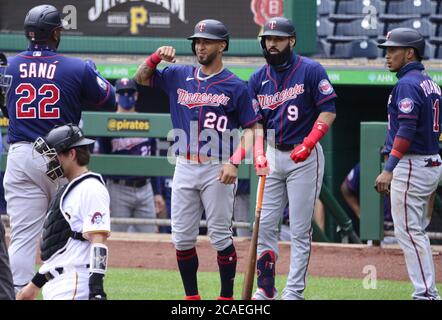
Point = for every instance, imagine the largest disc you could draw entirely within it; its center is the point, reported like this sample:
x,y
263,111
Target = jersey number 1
x,y
436,116
51,95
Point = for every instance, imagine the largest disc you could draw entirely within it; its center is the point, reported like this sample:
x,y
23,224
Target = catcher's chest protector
x,y
56,229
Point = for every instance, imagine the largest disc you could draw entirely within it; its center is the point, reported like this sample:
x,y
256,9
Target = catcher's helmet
x,y
210,29
41,21
279,27
407,38
59,139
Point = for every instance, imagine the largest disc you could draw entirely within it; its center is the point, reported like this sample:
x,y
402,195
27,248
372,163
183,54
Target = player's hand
x,y
160,204
261,164
228,174
167,53
383,181
301,152
28,292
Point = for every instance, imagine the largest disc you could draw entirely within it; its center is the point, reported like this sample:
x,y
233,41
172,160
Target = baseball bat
x,y
251,258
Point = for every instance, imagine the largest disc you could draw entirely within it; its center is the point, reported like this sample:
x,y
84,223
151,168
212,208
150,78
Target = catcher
x,y
77,224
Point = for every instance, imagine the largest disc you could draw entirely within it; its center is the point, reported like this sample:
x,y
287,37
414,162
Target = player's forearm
x,y
327,117
143,74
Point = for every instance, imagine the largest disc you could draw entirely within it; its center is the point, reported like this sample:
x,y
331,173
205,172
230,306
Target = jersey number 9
x,y
292,113
50,95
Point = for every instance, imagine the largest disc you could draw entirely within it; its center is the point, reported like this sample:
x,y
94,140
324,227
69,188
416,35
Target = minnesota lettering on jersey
x,y
192,100
273,101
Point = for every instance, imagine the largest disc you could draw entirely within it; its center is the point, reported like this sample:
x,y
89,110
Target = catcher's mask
x,y
59,139
5,80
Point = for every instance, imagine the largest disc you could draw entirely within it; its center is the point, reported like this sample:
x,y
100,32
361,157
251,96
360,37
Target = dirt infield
x,y
328,260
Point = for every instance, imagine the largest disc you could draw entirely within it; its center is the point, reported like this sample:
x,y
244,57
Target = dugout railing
x,y
109,124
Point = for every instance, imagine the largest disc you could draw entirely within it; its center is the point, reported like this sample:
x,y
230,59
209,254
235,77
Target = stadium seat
x,y
324,27
437,43
352,47
359,27
325,7
392,21
436,19
357,7
421,7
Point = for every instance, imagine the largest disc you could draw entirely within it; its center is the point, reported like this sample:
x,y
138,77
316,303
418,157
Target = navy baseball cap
x,y
125,84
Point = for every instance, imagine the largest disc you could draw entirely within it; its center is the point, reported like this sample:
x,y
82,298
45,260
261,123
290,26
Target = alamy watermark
x,y
209,144
370,281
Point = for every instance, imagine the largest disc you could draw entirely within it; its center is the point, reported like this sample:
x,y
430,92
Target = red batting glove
x,y
261,164
302,151
259,159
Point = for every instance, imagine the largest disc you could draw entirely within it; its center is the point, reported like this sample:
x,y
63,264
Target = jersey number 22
x,y
50,95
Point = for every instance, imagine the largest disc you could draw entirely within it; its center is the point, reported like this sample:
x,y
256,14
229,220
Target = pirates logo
x,y
97,218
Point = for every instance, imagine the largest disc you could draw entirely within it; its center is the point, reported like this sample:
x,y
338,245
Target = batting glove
x,y
302,151
261,165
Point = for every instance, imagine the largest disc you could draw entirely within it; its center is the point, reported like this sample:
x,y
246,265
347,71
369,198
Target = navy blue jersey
x,y
129,146
50,89
415,98
220,102
352,179
290,101
243,186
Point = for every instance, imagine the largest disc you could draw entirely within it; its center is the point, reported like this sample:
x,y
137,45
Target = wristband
x,y
319,129
39,280
238,156
153,60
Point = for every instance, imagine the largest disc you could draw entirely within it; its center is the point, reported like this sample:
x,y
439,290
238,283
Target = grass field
x,y
141,284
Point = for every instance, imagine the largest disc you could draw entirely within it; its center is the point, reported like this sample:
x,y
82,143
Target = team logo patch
x,y
202,27
325,87
102,83
406,105
97,218
255,105
272,25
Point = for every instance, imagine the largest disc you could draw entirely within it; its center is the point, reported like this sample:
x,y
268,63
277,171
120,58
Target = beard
x,y
208,60
278,60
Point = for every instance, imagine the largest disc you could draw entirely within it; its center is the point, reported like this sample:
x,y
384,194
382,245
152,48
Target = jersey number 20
x,y
50,95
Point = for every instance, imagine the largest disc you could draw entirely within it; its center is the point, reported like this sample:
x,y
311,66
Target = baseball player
x,y
297,102
206,102
47,89
131,196
413,169
6,287
77,223
242,207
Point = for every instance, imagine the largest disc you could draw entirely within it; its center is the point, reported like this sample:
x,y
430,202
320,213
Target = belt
x,y
60,270
130,183
198,158
284,147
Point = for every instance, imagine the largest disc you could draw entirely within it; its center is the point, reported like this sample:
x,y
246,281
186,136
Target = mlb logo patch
x,y
202,27
406,105
325,87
